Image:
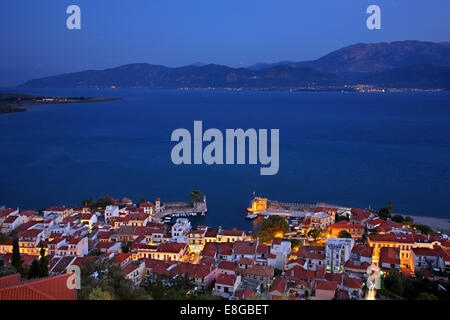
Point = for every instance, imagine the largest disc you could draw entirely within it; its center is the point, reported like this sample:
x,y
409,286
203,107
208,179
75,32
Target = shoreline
x,y
441,224
14,102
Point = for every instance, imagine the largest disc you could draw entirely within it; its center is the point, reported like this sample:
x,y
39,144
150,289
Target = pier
x,y
180,209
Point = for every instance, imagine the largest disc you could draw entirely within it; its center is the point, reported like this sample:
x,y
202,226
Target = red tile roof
x,y
8,280
244,247
49,288
121,257
390,255
325,285
279,285
227,265
225,279
171,247
352,283
233,233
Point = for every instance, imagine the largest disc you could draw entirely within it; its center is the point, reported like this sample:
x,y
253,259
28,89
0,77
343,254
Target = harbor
x,y
168,210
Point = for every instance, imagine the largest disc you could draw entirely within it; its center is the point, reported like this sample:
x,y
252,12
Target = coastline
x,y
441,224
14,102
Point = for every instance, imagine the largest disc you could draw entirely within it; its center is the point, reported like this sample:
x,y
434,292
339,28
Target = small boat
x,y
251,216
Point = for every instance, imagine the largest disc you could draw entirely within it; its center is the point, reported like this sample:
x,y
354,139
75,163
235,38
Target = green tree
x,y
272,227
126,246
43,263
426,296
390,206
3,238
102,202
344,234
394,283
195,195
422,228
384,213
398,218
316,234
99,294
35,270
142,201
87,202
408,220
16,258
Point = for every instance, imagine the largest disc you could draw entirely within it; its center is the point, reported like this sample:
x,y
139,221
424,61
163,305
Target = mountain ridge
x,y
381,64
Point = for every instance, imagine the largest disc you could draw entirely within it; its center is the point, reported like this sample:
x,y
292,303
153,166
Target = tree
x,y
43,263
408,220
274,226
16,259
398,218
3,238
34,271
102,202
87,202
422,228
344,234
384,213
307,295
426,296
316,234
390,206
394,283
142,201
126,246
99,294
263,236
195,195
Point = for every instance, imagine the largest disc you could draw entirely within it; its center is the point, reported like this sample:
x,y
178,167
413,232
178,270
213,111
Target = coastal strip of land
x,y
14,102
441,224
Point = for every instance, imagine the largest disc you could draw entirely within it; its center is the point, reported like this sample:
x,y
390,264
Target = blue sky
x,y
36,42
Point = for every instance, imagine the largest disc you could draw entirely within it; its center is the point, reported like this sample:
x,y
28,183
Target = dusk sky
x,y
36,42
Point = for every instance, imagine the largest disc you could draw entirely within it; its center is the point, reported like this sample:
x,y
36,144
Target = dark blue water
x,y
343,148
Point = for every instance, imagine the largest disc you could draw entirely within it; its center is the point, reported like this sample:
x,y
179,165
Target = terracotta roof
x,y
325,285
352,283
389,255
31,233
209,249
244,294
226,249
247,261
345,225
244,247
425,252
121,257
49,288
300,273
227,265
392,237
146,205
225,279
10,219
130,268
233,233
257,270
279,285
10,279
171,247
363,250
359,267
361,216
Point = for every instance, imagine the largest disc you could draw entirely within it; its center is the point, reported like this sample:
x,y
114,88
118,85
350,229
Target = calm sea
x,y
343,148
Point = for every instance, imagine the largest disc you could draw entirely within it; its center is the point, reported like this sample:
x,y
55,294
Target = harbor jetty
x,y
265,207
180,209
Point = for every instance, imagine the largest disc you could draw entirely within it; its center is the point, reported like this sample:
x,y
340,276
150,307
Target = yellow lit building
x,y
258,204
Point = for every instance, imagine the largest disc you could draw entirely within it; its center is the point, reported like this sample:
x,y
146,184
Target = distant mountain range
x,y
401,64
